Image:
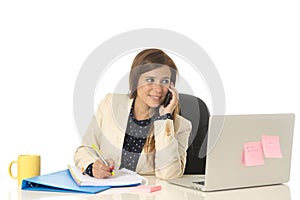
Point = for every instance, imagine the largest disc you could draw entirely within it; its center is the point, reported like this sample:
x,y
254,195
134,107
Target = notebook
x,y
122,177
245,151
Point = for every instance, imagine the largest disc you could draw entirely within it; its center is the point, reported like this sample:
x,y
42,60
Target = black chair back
x,y
195,110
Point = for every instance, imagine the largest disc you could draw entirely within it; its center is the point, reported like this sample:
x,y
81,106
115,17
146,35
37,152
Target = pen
x,y
98,152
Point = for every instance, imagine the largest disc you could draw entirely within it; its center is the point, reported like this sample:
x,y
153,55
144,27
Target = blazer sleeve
x,y
171,143
84,155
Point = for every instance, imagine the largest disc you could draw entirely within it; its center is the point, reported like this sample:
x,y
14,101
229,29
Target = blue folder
x,y
60,181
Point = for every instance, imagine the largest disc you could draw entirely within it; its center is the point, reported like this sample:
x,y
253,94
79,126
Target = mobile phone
x,y
167,99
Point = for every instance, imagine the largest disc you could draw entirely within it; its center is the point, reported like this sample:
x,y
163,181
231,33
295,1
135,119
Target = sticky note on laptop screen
x,y
271,146
253,154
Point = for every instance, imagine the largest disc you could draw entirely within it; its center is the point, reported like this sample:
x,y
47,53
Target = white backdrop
x,y
254,45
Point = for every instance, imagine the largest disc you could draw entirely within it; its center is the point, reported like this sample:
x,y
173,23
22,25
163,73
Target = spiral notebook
x,y
122,177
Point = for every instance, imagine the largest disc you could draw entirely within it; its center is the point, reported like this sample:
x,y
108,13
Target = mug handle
x,y
9,169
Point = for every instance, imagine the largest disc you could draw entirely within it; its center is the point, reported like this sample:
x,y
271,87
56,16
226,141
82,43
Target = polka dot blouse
x,y
135,138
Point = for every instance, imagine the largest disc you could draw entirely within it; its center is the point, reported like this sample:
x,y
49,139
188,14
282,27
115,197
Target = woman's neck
x,y
141,110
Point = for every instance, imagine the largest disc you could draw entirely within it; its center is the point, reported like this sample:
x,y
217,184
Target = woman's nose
x,y
157,87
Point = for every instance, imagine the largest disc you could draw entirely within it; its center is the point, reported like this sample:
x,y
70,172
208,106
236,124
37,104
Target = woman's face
x,y
153,86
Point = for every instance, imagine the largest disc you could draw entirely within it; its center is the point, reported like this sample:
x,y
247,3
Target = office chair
x,y
195,110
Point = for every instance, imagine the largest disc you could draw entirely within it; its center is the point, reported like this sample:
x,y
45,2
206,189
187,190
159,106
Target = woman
x,y
140,131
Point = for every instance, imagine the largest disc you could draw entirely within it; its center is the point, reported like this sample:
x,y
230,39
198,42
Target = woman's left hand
x,y
173,103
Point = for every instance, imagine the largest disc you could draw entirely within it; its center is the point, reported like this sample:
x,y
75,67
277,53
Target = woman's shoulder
x,y
111,96
181,122
115,98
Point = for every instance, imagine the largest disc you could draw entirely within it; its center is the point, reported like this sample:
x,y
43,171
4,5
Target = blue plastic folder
x,y
60,181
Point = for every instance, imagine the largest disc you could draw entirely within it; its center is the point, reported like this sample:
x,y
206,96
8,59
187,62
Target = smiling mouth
x,y
156,98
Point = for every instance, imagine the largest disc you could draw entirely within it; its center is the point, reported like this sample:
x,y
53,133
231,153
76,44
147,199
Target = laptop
x,y
245,151
274,192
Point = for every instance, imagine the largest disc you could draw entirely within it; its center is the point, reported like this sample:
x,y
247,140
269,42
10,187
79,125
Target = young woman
x,y
141,131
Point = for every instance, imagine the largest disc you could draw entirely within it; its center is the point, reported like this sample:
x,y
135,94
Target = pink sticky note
x,y
146,188
253,154
271,146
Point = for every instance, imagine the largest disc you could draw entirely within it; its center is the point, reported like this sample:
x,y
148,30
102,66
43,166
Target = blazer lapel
x,y
121,107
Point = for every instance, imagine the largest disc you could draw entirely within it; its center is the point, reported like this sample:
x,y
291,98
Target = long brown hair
x,y
145,61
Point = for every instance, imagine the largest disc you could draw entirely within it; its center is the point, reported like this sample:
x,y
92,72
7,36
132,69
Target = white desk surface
x,y
10,190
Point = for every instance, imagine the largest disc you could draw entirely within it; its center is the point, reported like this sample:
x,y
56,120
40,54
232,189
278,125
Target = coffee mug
x,y
27,166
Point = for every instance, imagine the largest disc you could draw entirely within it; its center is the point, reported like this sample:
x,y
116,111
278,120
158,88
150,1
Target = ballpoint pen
x,y
98,152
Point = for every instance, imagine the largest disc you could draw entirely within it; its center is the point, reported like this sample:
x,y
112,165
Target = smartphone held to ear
x,y
167,99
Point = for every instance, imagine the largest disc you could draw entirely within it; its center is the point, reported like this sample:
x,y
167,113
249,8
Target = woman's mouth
x,y
155,97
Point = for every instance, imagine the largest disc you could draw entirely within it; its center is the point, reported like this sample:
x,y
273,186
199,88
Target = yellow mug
x,y
28,166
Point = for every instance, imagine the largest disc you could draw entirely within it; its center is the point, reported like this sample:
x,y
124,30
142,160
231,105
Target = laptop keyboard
x,y
199,182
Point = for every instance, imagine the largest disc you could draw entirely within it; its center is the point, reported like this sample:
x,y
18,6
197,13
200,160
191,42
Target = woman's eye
x,y
149,80
165,81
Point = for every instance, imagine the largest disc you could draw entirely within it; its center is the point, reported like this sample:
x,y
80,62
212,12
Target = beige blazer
x,y
107,130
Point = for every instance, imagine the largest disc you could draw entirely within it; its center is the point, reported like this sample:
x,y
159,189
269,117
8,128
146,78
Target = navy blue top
x,y
135,138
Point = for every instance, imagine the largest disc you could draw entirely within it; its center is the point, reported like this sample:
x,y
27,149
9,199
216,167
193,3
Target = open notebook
x,y
122,177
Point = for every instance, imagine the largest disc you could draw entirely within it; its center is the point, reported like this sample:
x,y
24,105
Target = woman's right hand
x,y
100,170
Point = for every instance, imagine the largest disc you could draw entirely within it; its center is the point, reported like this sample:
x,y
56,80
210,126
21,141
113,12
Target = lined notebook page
x,y
122,177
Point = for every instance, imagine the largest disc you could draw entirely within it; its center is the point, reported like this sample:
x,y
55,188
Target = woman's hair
x,y
145,61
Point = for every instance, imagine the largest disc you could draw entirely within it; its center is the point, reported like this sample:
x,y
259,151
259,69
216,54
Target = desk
x,y
168,192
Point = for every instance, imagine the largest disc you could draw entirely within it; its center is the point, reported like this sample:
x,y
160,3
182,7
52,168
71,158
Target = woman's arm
x,y
84,155
171,143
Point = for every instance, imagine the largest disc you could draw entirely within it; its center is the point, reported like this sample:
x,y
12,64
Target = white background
x,y
255,46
